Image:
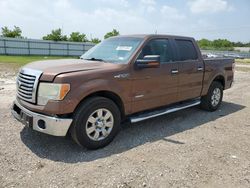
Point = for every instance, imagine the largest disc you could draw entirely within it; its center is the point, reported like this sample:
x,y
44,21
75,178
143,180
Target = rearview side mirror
x,y
148,61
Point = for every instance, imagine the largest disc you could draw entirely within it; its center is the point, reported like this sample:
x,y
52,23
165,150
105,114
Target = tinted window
x,y
158,47
186,49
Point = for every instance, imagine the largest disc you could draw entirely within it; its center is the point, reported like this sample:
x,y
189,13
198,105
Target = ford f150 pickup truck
x,y
134,77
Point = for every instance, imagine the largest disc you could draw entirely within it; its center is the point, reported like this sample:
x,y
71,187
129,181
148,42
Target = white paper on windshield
x,y
124,48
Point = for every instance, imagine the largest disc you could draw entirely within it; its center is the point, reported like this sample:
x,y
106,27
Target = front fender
x,y
97,85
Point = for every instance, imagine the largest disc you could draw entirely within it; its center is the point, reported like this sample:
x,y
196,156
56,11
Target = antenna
x,y
62,29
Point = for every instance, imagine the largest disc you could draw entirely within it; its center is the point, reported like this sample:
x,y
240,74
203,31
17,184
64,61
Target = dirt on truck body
x,y
134,78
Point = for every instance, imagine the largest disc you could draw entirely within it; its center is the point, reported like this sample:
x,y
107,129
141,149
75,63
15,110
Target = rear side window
x,y
158,47
186,49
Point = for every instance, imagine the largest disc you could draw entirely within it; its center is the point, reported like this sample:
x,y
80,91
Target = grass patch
x,y
243,69
22,60
242,61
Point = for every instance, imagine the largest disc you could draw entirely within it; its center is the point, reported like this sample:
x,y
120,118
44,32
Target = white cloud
x,y
148,5
172,13
148,2
38,18
208,6
123,3
150,9
97,17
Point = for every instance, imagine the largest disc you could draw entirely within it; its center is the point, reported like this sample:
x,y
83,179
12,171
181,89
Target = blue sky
x,y
197,18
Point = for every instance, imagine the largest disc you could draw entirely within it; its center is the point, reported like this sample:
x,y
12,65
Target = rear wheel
x,y
96,122
212,100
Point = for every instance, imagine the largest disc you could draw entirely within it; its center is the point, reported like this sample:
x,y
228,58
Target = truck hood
x,y
52,68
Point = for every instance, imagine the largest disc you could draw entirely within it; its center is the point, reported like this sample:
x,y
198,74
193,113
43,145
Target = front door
x,y
155,87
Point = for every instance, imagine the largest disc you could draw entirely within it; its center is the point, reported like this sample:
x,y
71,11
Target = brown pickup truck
x,y
133,77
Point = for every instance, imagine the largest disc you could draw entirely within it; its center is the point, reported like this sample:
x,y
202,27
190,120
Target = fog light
x,y
41,124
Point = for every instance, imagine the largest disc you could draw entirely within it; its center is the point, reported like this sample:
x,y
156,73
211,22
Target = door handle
x,y
200,68
174,71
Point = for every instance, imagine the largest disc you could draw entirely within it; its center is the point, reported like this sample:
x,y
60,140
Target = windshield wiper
x,y
94,59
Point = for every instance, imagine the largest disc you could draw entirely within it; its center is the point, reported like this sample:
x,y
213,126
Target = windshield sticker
x,y
124,48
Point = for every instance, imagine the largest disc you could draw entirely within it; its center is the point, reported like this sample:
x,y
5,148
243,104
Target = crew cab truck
x,y
134,77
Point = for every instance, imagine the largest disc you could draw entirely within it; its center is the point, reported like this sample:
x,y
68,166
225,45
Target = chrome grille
x,y
27,80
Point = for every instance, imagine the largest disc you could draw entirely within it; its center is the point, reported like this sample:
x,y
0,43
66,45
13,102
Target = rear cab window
x,y
186,50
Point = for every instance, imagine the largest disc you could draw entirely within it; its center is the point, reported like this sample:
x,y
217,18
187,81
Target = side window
x,y
158,47
186,49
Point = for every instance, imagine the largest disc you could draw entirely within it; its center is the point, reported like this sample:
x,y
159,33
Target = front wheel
x,y
212,100
96,122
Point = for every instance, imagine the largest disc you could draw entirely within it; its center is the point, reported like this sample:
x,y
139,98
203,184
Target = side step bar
x,y
152,114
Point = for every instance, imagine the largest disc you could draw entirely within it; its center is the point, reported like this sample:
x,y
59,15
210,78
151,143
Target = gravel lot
x,y
190,148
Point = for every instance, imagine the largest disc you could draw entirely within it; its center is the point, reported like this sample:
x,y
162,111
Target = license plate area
x,y
26,119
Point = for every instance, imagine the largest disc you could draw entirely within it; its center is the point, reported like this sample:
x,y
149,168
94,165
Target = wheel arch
x,y
219,78
107,94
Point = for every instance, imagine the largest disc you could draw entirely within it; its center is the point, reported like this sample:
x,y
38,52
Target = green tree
x,y
56,35
15,33
241,44
95,40
218,44
222,43
203,43
111,34
238,44
78,37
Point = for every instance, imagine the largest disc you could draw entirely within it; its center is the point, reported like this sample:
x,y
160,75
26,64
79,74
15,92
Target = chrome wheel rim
x,y
99,124
215,100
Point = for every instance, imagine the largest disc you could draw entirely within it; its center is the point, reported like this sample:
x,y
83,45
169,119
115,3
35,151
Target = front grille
x,y
26,85
27,80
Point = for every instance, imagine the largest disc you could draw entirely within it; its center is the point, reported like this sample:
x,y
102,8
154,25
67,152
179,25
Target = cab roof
x,y
154,36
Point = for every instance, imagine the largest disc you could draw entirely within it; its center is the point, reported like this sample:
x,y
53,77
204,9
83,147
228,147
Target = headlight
x,y
51,91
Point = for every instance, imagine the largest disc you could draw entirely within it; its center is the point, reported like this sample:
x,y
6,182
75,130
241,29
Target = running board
x,y
152,114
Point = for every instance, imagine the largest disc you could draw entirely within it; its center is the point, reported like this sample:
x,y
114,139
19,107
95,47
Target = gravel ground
x,y
189,148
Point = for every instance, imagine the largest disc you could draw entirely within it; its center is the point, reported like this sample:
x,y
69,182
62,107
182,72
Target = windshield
x,y
114,50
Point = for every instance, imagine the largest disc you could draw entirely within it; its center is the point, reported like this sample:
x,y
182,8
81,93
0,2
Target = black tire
x,y
81,116
207,100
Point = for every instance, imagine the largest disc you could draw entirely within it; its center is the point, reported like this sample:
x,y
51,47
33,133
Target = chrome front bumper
x,y
39,122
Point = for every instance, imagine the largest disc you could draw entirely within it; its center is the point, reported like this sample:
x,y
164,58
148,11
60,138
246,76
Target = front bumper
x,y
39,122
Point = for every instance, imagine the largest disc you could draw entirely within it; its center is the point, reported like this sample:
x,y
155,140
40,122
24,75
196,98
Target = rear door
x,y
190,69
154,87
